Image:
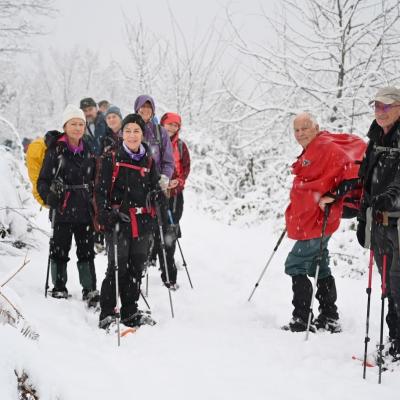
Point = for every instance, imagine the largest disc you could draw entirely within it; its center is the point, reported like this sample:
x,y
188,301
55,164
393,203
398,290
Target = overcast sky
x,y
99,24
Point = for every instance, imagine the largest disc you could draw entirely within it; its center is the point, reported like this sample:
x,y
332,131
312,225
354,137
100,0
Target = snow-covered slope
x,y
219,346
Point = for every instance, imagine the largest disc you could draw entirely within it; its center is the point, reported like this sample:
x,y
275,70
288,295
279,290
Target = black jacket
x,y
76,169
94,140
380,169
130,188
111,140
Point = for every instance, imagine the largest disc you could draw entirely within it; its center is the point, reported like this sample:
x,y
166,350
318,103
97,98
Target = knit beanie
x,y
113,110
72,111
135,119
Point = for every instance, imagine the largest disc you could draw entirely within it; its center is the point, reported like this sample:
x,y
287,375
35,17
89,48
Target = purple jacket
x,y
166,164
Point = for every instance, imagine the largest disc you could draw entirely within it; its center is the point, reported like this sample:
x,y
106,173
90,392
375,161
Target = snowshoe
x,y
106,322
59,293
138,319
298,325
331,325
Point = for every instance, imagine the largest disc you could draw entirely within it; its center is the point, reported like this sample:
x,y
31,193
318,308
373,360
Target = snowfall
x,y
218,346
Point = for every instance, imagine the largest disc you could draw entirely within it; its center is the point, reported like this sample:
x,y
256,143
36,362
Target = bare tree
x,y
323,56
146,53
18,22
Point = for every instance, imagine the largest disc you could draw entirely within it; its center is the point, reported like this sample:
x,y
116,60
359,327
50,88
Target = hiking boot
x,y
171,286
139,318
99,248
394,349
106,322
298,325
327,324
92,297
59,293
133,320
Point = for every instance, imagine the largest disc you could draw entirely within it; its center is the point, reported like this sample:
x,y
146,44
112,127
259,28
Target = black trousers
x,y
171,233
385,241
62,240
132,254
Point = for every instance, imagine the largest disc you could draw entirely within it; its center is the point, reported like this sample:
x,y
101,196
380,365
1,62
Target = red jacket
x,y
182,164
320,168
182,161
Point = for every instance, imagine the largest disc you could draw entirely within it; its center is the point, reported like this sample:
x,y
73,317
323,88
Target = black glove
x,y
111,218
361,233
53,200
378,202
57,187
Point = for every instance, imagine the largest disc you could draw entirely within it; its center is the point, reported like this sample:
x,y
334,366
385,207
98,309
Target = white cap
x,y
387,95
72,111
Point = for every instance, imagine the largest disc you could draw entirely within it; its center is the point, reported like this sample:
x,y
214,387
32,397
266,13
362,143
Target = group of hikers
x,y
330,168
114,179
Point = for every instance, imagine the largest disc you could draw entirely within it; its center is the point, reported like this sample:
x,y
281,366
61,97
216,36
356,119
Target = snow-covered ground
x,y
218,346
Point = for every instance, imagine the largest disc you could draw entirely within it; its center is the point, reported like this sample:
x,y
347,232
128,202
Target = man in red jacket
x,y
324,167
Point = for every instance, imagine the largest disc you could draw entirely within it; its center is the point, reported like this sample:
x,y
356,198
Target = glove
x,y
57,187
112,217
163,182
361,233
379,202
53,200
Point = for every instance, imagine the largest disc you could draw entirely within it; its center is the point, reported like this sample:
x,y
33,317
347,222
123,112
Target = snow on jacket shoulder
x,y
318,170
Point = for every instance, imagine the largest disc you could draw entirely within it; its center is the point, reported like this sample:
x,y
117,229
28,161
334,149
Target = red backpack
x,y
354,147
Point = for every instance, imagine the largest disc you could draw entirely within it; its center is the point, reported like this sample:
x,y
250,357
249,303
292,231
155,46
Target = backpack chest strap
x,y
142,170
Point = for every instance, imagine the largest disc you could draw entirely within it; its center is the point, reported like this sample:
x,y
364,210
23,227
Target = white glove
x,y
163,182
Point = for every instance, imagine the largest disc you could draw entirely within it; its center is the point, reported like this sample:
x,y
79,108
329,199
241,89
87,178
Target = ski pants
x,y
60,245
62,240
385,241
171,234
132,254
303,258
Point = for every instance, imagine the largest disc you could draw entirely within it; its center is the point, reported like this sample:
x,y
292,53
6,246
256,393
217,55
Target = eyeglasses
x,y
377,106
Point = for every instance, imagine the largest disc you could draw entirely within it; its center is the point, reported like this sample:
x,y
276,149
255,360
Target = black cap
x,y
134,118
87,102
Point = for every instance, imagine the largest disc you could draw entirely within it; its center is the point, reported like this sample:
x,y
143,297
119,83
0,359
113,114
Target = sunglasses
x,y
377,106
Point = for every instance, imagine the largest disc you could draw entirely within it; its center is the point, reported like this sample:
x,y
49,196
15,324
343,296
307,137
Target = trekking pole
x,y
180,249
383,295
268,262
147,283
321,249
369,289
53,217
144,299
117,303
159,220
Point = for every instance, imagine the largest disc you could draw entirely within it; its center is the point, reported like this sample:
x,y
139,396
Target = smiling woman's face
x,y
132,136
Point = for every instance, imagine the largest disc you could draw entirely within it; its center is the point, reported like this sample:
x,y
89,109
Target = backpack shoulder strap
x,y
160,142
180,148
158,135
